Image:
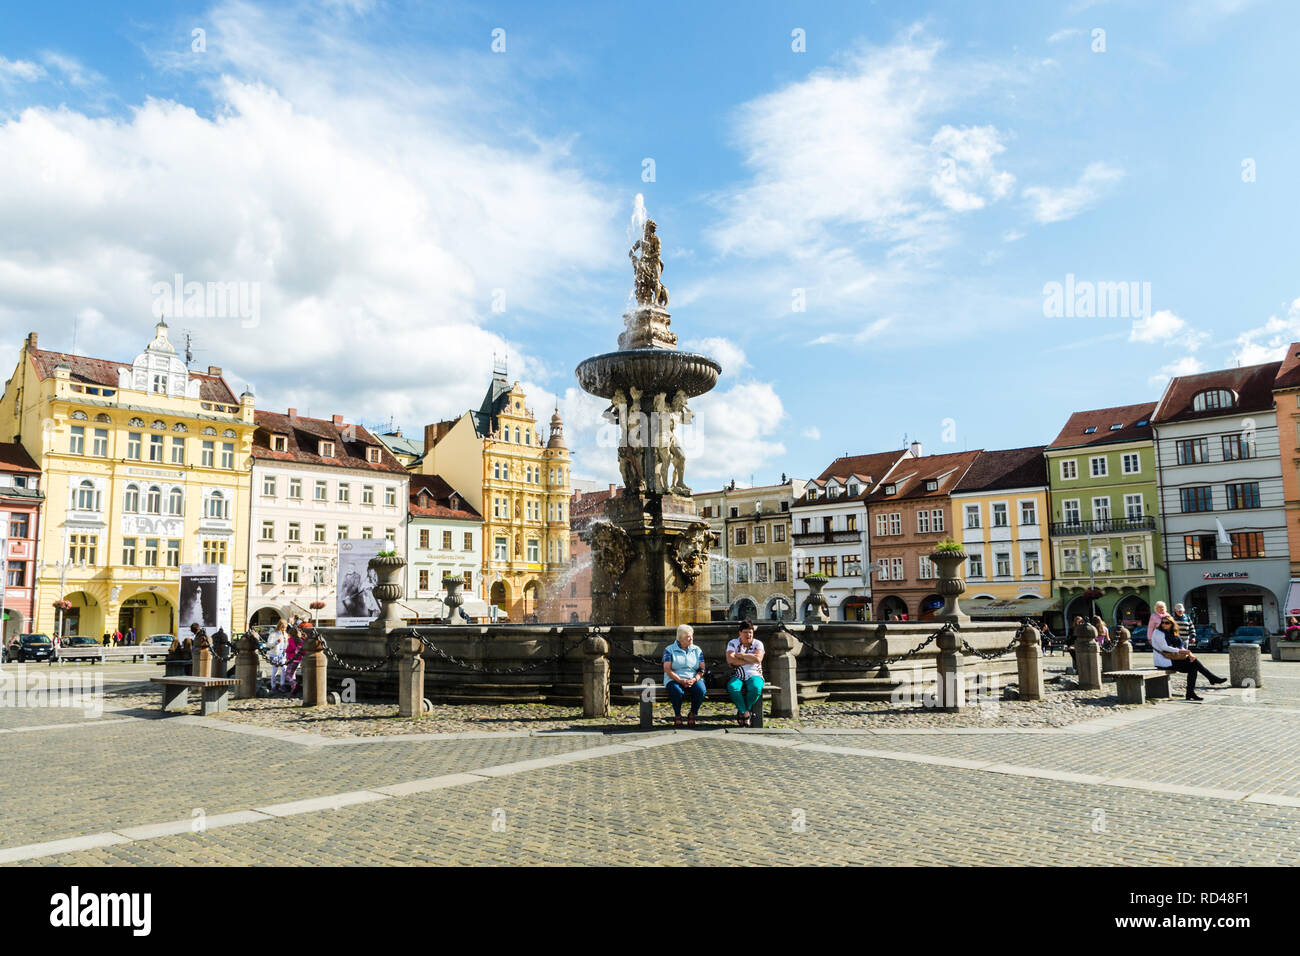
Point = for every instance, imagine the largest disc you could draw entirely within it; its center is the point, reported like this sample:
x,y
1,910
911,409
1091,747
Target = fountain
x,y
649,555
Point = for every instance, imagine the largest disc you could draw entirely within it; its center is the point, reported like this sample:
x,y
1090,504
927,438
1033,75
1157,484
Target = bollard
x,y
950,689
313,670
201,657
410,677
246,666
1087,657
1122,656
595,677
1244,663
1029,665
782,670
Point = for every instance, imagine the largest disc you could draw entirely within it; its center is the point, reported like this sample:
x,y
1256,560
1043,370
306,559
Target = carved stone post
x,y
1121,658
388,592
815,607
453,601
950,585
410,677
313,670
246,666
1087,657
201,657
595,677
950,690
783,647
1029,665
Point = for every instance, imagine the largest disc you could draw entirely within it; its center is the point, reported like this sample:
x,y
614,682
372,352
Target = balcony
x,y
827,537
1102,526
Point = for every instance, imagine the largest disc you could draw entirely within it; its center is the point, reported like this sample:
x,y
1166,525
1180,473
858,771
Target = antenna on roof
x,y
189,348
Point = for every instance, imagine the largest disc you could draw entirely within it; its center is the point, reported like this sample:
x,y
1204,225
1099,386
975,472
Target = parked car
x,y
161,639
1250,634
1211,640
1139,639
79,641
30,647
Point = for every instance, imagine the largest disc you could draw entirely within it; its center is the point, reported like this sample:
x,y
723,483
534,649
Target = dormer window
x,y
372,455
890,489
812,494
932,485
327,449
279,443
1213,398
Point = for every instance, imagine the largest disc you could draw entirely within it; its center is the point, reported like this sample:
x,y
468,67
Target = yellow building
x,y
518,481
1000,511
145,467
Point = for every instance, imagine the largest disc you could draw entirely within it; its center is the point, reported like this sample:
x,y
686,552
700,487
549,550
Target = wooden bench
x,y
1135,686
216,692
131,652
720,693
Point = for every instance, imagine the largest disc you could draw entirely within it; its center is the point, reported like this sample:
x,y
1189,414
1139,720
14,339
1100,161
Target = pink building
x,y
20,502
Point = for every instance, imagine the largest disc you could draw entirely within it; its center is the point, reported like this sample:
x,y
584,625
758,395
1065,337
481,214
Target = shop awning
x,y
1292,599
1000,607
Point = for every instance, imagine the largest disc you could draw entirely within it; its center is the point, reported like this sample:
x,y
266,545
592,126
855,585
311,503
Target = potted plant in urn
x,y
815,608
948,556
387,565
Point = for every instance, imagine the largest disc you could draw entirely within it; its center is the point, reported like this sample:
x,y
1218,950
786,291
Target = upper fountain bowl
x,y
651,370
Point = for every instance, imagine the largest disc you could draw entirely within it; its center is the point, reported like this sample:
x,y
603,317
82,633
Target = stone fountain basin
x,y
650,370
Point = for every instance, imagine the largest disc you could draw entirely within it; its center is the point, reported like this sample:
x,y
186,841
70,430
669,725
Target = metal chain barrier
x,y
480,669
879,661
991,655
627,649
334,658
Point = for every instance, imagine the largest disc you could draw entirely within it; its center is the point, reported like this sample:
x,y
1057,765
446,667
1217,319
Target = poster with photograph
x,y
207,593
357,605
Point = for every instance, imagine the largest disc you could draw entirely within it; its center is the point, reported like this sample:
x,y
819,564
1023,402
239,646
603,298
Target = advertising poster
x,y
357,605
207,592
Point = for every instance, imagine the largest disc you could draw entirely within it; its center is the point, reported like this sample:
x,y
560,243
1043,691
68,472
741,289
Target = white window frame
x,y
1124,460
1103,513
1092,467
1028,505
973,511
1006,514
1073,469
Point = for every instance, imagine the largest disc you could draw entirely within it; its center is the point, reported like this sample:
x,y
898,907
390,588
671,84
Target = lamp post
x,y
62,568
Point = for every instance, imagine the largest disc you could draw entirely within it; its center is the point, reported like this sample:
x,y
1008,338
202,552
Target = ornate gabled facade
x,y
144,464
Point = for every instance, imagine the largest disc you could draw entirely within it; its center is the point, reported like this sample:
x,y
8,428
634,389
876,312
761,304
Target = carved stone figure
x,y
612,550
648,269
663,425
690,555
675,454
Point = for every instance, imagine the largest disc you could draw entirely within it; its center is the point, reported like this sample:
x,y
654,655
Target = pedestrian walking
x,y
293,655
276,646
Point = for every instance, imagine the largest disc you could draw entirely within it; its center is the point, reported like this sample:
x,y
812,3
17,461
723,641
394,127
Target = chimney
x,y
31,340
214,370
338,420
916,449
430,436
613,488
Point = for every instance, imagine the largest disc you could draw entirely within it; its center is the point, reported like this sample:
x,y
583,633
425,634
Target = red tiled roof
x,y
1253,386
93,371
1007,468
911,475
436,502
1288,376
1075,435
14,457
303,433
872,466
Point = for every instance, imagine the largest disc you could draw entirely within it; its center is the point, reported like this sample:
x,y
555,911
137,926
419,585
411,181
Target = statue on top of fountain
x,y
646,325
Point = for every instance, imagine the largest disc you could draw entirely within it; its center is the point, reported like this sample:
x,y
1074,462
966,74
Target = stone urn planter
x,y
388,591
950,585
453,601
816,610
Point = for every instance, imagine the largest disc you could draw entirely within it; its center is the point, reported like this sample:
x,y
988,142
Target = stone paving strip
x,y
330,801
1047,773
718,801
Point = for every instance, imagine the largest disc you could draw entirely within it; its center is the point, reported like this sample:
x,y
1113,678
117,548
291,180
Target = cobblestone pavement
x,y
1104,793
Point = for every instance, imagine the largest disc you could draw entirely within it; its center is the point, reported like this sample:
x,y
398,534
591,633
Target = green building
x,y
1105,537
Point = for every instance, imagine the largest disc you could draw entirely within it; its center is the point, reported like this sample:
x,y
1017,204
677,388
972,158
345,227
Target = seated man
x,y
745,654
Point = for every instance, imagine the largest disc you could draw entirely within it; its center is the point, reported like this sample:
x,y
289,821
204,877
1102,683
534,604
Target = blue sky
x,y
408,202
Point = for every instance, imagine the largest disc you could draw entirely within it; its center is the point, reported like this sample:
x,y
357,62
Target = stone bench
x,y
216,692
1134,687
719,693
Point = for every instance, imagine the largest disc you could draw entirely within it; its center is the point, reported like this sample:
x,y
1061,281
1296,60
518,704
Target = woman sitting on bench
x,y
684,674
1169,654
746,685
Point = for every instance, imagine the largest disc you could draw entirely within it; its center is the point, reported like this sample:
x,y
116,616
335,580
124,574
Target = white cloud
x,y
1055,205
1268,342
814,433
379,228
1166,328
24,70
733,432
1011,235
965,177
1064,34
724,351
1187,365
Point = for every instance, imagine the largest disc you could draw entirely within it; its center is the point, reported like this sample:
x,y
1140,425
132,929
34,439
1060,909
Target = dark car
x,y
1139,639
30,647
1211,640
78,641
1250,634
